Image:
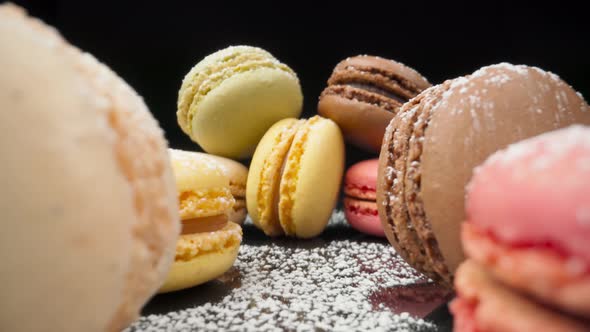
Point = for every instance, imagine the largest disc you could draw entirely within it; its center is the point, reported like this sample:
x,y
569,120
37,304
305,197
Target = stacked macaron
x,y
364,93
436,140
209,241
527,236
360,197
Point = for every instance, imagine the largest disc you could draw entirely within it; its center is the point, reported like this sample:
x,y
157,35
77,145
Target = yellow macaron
x,y
229,99
294,177
209,242
237,174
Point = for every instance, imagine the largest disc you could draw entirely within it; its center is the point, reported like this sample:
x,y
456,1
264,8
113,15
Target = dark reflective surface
x,y
420,299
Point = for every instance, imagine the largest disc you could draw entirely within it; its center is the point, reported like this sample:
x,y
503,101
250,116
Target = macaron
x,y
209,243
364,93
237,174
360,194
432,146
483,304
229,99
528,218
294,178
89,210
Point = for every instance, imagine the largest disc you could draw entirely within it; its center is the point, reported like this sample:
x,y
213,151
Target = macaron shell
x,y
390,188
481,114
195,171
232,118
486,304
239,212
309,193
261,162
237,174
203,257
362,123
537,271
360,180
407,75
224,60
90,220
363,216
537,192
202,185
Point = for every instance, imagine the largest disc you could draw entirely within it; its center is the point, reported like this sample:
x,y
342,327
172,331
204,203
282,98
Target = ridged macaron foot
x,y
89,210
432,146
294,177
231,97
209,242
528,218
484,304
364,93
360,195
237,174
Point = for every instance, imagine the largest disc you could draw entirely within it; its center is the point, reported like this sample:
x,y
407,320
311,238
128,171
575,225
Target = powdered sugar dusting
x,y
544,150
302,287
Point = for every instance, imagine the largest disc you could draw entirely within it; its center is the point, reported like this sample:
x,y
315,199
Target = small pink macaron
x,y
360,201
528,218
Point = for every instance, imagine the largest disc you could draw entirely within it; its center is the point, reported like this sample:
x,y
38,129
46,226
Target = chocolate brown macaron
x,y
432,146
364,93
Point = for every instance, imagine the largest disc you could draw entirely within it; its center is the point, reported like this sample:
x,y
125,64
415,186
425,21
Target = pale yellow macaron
x,y
229,99
209,242
294,177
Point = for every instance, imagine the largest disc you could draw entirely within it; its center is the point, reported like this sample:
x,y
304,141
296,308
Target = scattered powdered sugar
x,y
302,287
498,80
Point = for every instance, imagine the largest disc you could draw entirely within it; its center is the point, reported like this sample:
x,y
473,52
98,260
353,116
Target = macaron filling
x,y
268,191
290,174
404,207
351,93
540,270
366,74
204,224
370,87
199,203
413,179
402,234
359,206
360,192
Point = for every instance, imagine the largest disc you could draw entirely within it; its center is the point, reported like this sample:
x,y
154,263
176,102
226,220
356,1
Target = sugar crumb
x,y
304,289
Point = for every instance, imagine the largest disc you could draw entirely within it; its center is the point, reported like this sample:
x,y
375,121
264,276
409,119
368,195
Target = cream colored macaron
x,y
89,210
294,177
209,242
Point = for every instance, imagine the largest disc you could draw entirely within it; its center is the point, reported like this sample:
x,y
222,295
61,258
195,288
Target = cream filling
x,y
204,224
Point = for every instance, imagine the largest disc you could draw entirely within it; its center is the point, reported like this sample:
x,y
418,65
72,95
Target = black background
x,y
153,45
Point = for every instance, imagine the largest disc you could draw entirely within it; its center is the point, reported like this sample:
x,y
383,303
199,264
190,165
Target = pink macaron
x,y
528,218
483,304
360,205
